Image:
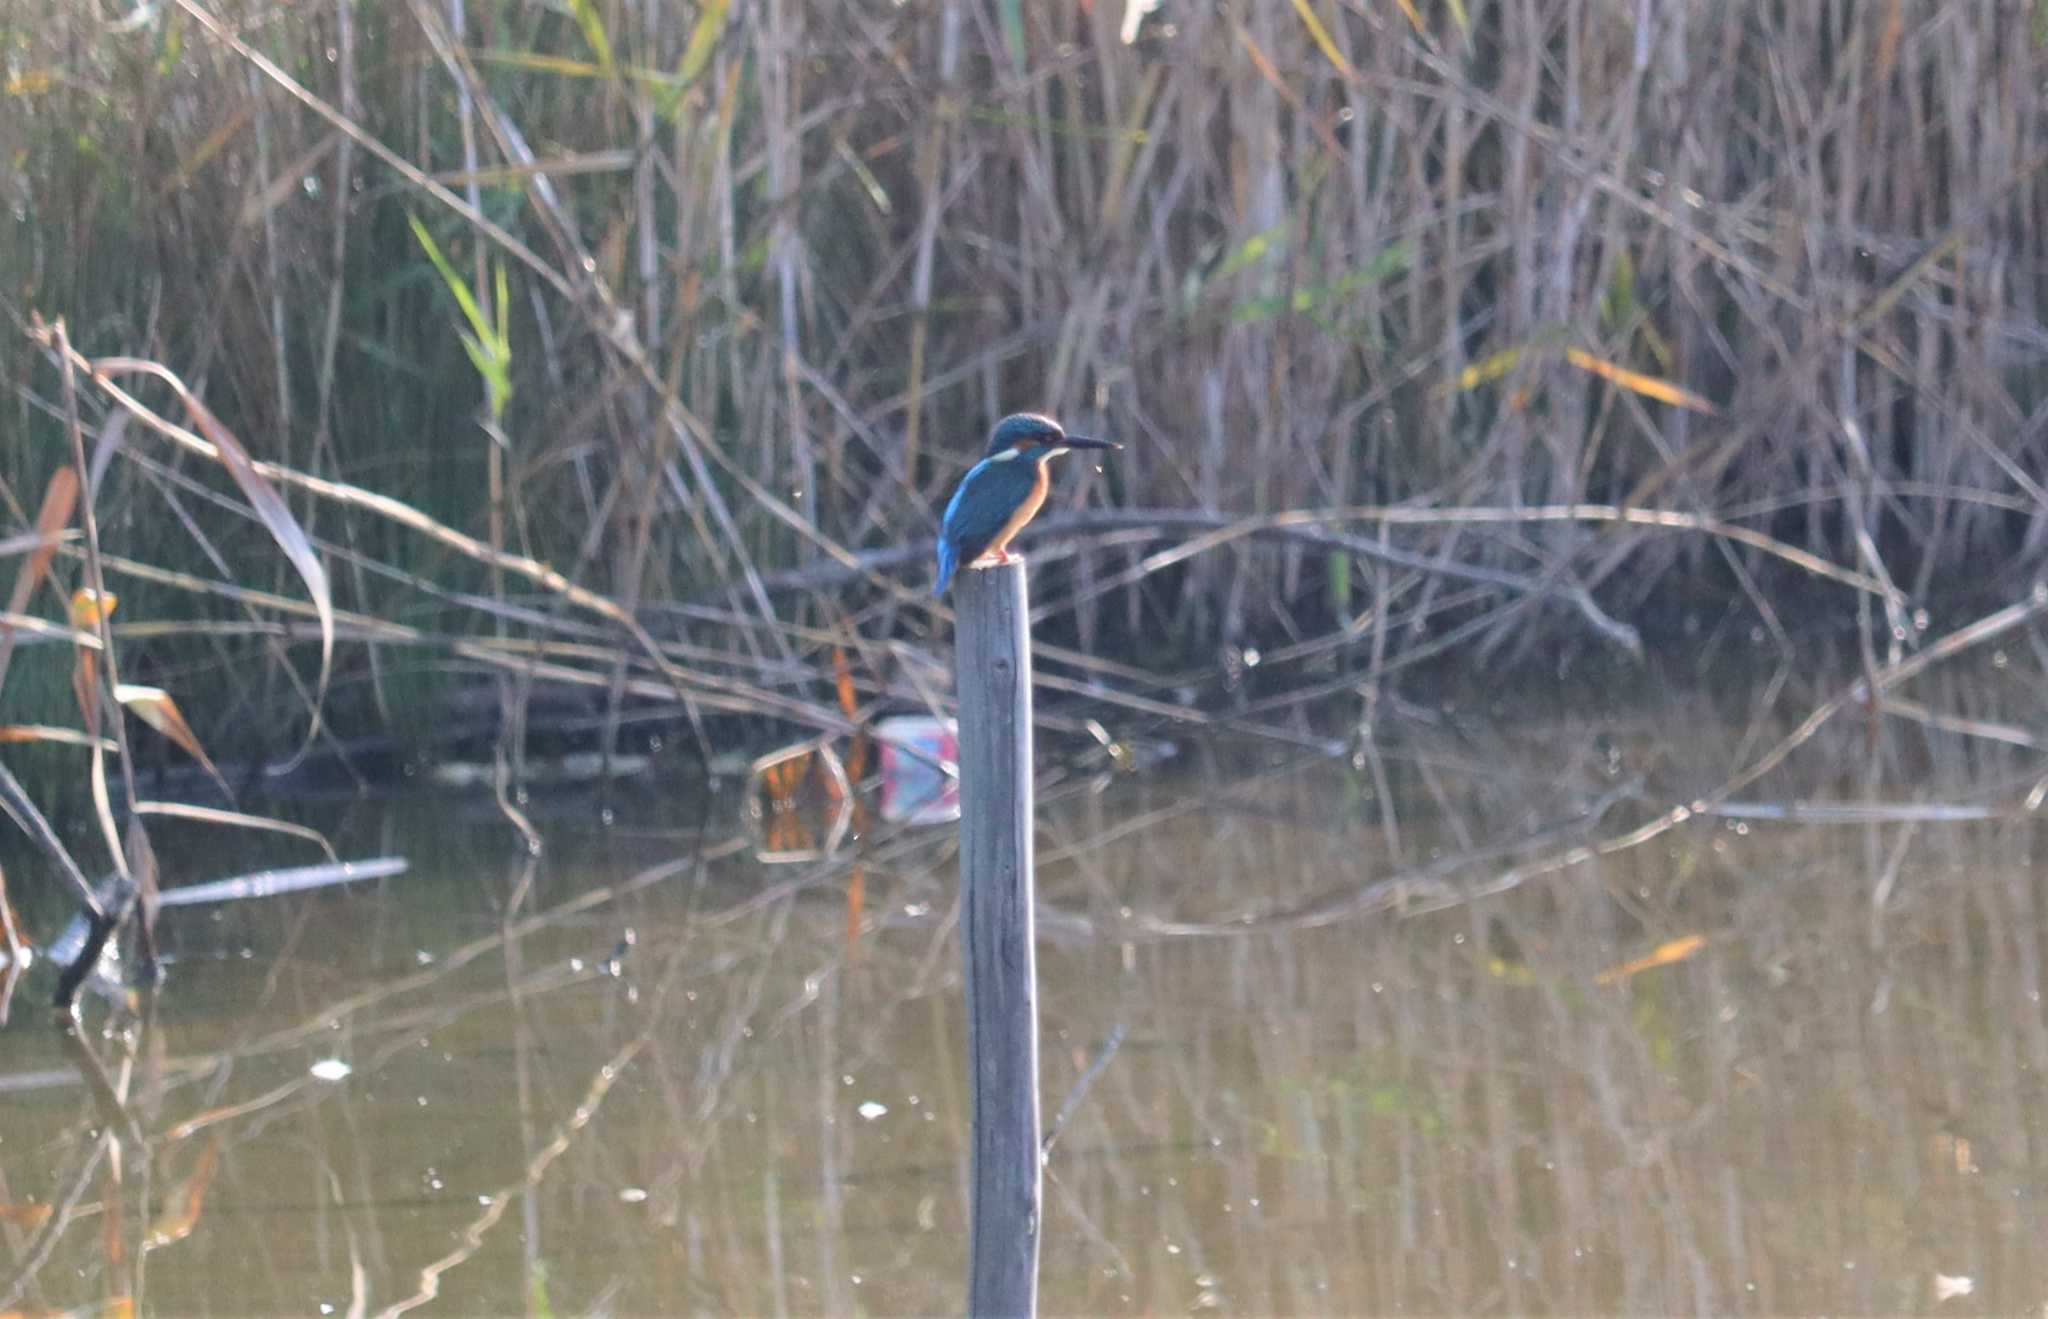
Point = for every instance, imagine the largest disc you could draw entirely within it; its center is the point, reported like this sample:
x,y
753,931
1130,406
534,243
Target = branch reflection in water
x,y
1780,1055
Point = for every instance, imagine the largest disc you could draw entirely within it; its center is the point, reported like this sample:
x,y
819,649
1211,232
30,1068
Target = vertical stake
x,y
992,662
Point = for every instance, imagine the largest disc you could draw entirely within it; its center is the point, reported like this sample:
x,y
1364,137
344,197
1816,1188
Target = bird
x,y
1003,491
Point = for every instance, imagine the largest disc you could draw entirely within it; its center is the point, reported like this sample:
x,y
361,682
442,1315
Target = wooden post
x,y
992,666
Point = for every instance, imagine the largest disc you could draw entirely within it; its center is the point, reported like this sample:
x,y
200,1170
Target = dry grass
x,y
772,268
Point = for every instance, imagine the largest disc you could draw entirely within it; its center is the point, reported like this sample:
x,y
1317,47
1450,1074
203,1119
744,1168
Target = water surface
x,y
632,1078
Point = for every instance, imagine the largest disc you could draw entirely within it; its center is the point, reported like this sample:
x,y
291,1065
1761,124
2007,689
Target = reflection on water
x,y
662,1085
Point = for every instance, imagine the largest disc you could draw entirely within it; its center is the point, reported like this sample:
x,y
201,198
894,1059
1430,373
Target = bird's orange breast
x,y
1025,511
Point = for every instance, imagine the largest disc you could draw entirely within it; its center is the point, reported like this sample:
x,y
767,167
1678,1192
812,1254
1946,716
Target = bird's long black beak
x,y
1083,442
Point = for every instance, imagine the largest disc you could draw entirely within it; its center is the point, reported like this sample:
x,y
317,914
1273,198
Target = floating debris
x,y
1949,1286
920,784
799,803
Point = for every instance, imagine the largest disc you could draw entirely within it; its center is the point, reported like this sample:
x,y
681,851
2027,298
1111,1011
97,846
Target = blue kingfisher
x,y
1002,492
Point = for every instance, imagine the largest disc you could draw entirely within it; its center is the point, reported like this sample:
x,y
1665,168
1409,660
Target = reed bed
x,y
628,348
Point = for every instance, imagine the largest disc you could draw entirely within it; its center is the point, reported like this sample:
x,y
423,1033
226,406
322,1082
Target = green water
x,y
1318,1097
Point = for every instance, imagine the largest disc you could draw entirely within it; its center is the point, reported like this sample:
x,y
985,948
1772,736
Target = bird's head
x,y
1034,438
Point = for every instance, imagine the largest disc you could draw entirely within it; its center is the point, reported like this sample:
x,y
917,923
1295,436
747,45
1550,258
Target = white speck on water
x,y
423,957
872,1110
330,1069
632,1195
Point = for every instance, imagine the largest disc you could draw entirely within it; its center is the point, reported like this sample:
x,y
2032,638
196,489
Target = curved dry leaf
x,y
89,607
14,733
270,509
1675,950
237,820
154,706
1635,381
85,687
59,498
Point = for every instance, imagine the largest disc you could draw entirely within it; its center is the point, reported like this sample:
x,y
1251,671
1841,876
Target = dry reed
x,y
1767,275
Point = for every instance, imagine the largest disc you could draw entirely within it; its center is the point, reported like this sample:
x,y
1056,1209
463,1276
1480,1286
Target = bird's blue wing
x,y
988,494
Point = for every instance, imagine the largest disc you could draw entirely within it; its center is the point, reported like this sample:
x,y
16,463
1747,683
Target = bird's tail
x,y
946,565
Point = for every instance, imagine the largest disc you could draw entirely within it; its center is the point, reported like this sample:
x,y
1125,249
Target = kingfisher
x,y
1003,491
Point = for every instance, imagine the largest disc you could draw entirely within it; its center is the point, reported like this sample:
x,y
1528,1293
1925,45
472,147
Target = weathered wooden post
x,y
992,662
